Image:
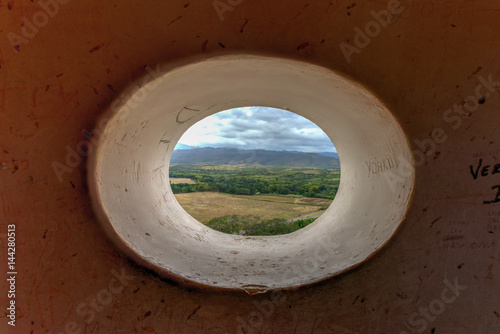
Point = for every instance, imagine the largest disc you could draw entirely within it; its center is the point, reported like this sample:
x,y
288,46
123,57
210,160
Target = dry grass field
x,y
207,205
177,180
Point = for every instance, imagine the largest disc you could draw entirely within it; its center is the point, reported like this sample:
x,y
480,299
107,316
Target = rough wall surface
x,y
434,63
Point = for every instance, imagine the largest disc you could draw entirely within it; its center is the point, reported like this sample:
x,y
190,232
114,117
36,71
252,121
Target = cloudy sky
x,y
258,128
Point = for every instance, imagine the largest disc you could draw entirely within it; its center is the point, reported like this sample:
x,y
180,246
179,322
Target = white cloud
x,y
258,128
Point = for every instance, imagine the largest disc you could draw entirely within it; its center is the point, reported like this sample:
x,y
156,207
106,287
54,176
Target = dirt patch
x,y
315,201
174,180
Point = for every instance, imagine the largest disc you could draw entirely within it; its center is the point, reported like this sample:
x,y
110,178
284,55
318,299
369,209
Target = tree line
x,y
252,226
308,182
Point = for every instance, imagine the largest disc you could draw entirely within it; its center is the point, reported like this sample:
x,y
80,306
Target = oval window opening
x,y
129,184
255,171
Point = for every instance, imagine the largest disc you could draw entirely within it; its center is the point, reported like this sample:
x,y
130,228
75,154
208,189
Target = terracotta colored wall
x,y
426,65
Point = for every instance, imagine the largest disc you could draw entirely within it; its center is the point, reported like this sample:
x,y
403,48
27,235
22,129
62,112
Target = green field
x,y
254,200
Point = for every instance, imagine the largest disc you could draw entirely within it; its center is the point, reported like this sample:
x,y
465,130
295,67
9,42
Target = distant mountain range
x,y
180,146
329,154
232,156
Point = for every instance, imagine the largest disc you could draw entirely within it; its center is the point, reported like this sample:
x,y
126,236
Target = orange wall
x,y
426,65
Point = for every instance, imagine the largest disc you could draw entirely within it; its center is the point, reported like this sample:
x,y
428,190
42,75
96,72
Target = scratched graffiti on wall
x,y
377,166
480,170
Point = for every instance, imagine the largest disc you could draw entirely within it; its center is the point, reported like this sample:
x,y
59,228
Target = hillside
x,y
231,156
329,154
